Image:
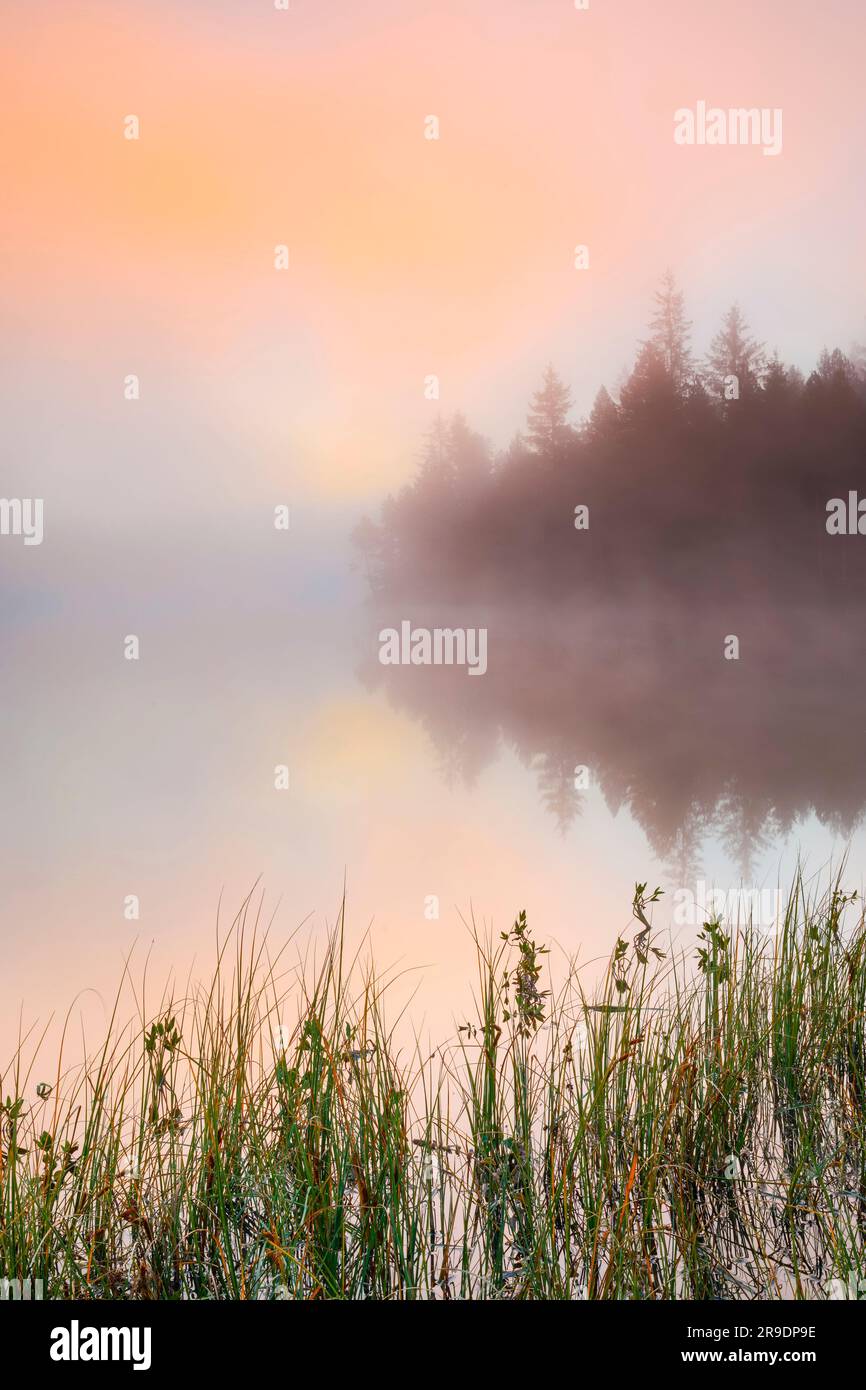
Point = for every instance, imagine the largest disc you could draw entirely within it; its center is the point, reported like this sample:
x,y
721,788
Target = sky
x,y
408,257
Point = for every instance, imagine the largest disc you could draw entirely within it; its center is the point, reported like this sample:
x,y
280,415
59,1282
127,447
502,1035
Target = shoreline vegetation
x,y
693,1128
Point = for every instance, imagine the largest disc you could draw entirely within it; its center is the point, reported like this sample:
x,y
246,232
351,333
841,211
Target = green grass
x,y
694,1129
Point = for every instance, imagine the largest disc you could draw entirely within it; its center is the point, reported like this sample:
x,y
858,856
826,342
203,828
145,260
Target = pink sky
x,y
409,256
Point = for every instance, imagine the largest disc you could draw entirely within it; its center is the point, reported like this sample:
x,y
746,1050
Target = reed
x,y
691,1128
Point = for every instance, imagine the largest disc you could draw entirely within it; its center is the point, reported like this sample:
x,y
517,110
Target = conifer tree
x,y
546,427
671,330
734,354
604,417
650,390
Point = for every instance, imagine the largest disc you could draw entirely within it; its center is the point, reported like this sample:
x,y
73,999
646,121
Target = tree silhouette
x,y
546,427
734,354
604,417
671,330
650,393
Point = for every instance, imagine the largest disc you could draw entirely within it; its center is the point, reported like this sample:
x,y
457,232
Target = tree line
x,y
697,476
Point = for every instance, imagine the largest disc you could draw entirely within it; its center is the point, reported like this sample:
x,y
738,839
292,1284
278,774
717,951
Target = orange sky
x,y
410,256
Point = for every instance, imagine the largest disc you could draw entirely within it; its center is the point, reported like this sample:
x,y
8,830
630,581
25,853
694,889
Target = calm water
x,y
156,777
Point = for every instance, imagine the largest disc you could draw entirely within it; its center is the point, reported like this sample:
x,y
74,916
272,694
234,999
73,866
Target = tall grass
x,y
694,1129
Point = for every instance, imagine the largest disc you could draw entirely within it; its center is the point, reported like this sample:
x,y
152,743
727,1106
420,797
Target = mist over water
x,y
608,739
407,781
694,747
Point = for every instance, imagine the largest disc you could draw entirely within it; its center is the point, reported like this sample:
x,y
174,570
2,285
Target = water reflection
x,y
693,744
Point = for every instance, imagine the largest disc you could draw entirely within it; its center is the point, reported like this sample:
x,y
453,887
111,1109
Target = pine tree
x,y
671,330
698,405
604,417
834,367
546,426
832,386
649,391
780,383
734,354
776,378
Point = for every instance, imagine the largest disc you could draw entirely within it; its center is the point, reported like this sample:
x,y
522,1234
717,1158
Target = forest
x,y
614,559
701,475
